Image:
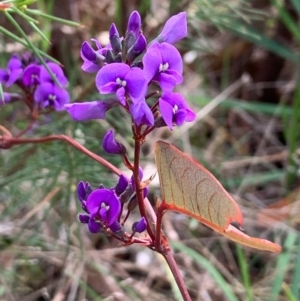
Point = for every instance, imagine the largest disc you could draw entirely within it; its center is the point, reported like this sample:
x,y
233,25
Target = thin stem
x,y
14,141
28,127
139,191
167,253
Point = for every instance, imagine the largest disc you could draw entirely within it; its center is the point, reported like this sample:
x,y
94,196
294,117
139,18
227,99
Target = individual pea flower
x,y
9,97
139,226
141,113
31,75
174,110
45,76
120,79
133,29
97,109
49,95
103,208
174,30
12,72
163,64
93,60
111,146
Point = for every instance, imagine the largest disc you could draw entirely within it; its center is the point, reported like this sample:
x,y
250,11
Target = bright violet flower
x,y
57,71
174,110
111,146
9,97
121,185
141,174
90,110
48,94
103,208
93,59
141,113
31,75
139,226
174,30
119,78
12,72
163,63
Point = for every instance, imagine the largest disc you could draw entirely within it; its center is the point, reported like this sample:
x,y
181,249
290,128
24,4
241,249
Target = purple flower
x,y
9,97
12,72
141,113
174,30
93,59
163,63
57,71
31,75
121,185
48,94
174,109
111,146
90,110
139,226
119,78
103,208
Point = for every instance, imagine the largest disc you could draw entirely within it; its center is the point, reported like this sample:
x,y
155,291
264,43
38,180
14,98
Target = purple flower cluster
x,y
127,67
35,79
103,206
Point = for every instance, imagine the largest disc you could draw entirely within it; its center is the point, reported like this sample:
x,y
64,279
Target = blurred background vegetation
x,y
241,77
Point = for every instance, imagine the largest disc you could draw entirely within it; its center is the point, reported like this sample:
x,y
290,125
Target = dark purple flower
x,y
163,63
83,190
174,30
121,185
90,110
139,226
141,113
31,75
111,146
174,109
93,59
12,72
119,78
134,24
104,208
57,71
9,97
48,94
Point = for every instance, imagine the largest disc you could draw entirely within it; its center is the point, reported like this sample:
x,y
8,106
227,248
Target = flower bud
x,y
137,49
139,226
115,40
121,185
111,146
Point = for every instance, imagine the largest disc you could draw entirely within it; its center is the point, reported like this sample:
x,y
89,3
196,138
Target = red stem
x,y
139,191
15,141
167,253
